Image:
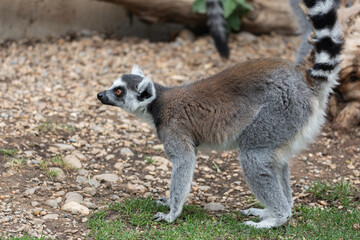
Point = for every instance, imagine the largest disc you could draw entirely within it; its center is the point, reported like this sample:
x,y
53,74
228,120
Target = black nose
x,y
100,96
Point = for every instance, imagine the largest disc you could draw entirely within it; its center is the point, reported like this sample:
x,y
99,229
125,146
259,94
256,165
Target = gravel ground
x,y
75,155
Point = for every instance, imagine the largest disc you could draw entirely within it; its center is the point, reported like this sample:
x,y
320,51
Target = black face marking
x,y
155,107
131,80
102,96
144,95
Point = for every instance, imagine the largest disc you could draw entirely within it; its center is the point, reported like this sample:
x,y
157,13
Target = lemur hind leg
x,y
284,174
264,182
283,171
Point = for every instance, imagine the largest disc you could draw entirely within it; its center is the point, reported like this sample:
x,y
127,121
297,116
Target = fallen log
x,y
267,16
345,106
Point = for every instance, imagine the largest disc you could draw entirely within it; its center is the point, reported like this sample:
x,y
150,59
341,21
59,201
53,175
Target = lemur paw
x,y
261,224
163,201
267,223
162,216
261,213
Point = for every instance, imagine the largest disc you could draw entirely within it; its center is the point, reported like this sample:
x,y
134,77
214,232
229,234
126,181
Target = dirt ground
x,y
50,114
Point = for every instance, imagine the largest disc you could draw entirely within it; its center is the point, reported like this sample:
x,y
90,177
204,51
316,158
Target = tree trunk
x,y
155,11
346,108
271,16
267,16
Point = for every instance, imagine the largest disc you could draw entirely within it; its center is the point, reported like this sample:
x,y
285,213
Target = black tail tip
x,y
310,3
224,51
222,47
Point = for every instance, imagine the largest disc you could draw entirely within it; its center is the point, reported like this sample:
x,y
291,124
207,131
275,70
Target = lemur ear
x,y
146,89
137,71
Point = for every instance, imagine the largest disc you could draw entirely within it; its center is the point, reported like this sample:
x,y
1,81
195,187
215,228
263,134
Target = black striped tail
x,y
328,41
217,26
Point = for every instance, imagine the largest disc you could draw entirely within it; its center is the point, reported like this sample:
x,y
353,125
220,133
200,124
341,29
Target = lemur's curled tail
x,y
328,40
217,26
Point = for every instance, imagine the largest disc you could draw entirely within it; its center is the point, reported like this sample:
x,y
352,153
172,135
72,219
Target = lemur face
x,y
132,92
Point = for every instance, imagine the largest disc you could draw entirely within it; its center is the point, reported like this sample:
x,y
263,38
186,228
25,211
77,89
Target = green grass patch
x,y
13,162
132,219
9,152
52,173
46,126
343,193
149,160
17,162
55,161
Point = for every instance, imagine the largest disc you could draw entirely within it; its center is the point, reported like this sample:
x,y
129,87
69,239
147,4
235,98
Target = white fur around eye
x,y
118,83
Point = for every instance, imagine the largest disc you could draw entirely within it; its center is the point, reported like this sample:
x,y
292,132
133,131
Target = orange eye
x,y
118,92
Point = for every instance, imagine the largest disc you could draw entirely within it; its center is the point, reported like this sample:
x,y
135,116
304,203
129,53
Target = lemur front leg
x,y
183,160
181,178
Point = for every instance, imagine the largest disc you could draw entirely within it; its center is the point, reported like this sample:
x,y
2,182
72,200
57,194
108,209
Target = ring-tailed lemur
x,y
306,30
217,26
268,109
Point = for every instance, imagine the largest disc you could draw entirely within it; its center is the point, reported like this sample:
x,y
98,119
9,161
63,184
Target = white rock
x,y
31,191
81,179
90,205
214,207
107,177
158,160
64,146
89,190
131,188
33,233
83,172
29,154
59,193
73,161
93,183
73,197
109,157
75,208
204,188
126,152
158,147
149,168
149,177
163,167
247,37
51,216
119,166
53,202
34,204
79,155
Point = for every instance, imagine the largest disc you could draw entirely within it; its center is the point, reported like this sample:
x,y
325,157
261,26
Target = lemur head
x,y
132,92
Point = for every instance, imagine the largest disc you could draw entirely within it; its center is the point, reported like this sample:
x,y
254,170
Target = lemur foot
x,y
261,213
163,201
162,216
267,223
